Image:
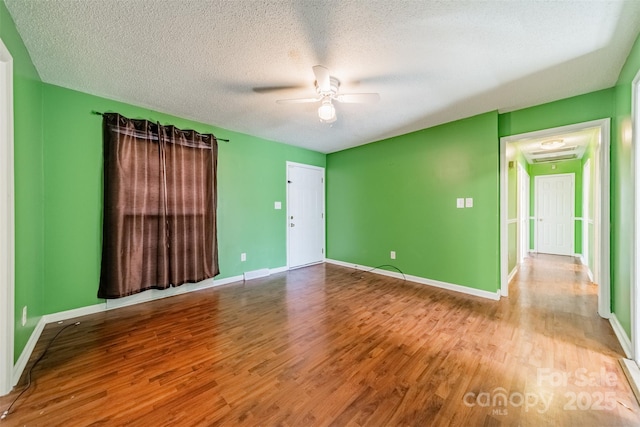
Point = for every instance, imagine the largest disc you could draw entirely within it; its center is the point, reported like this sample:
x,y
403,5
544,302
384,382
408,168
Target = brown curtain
x,y
159,225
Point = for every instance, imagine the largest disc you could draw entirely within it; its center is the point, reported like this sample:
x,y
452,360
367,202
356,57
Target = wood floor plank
x,y
329,346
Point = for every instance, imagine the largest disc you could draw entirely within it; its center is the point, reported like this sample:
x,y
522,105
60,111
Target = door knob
x,y
292,225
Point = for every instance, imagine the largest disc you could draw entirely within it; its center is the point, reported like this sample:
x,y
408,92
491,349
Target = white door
x,y
305,214
554,214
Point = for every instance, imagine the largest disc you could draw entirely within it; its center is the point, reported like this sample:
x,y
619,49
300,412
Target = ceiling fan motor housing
x,y
334,85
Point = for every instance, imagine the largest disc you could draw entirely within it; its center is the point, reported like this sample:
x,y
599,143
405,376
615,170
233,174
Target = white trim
x,y
278,270
623,339
523,203
635,244
632,371
61,316
602,221
21,363
146,296
324,208
7,227
512,221
256,274
513,273
603,224
587,192
155,294
424,281
504,217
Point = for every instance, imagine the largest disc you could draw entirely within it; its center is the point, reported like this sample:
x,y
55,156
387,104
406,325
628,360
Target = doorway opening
x,y
556,151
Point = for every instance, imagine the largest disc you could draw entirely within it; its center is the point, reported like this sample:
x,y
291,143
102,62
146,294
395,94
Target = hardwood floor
x,y
325,345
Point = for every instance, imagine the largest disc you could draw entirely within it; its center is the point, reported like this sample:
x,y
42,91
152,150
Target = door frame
x,y
536,180
524,227
586,213
324,192
7,222
601,216
635,249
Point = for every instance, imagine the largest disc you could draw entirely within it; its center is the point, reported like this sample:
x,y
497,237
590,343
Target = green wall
x,y
400,194
251,177
622,192
567,166
28,176
577,109
397,194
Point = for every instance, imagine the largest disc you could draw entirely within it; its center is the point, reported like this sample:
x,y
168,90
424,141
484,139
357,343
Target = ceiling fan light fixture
x,y
327,112
552,144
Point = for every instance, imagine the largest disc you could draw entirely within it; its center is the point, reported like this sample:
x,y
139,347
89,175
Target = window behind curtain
x,y
159,226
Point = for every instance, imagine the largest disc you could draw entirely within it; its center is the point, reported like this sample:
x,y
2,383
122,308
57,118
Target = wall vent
x,y
555,158
255,274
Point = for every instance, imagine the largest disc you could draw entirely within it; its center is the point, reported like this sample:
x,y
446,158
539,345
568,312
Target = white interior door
x,y
305,214
555,207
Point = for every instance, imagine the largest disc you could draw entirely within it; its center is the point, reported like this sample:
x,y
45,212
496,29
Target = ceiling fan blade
x,y
361,98
322,77
267,89
297,100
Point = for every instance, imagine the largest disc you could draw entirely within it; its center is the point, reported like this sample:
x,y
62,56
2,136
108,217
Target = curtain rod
x,y
97,113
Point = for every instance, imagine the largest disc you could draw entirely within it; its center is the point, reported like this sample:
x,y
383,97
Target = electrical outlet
x,y
459,203
24,315
393,255
468,202
243,257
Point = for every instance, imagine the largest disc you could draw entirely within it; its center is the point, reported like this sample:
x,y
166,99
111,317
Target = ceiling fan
x,y
327,88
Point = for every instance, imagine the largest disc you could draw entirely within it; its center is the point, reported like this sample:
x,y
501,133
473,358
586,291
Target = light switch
x,y
460,203
277,205
468,202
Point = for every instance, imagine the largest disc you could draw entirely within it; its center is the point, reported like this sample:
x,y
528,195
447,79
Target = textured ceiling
x,y
431,61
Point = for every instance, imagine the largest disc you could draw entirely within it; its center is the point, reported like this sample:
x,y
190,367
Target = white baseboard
x,y
22,361
149,295
154,294
436,283
632,372
623,339
61,316
513,273
256,274
584,262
